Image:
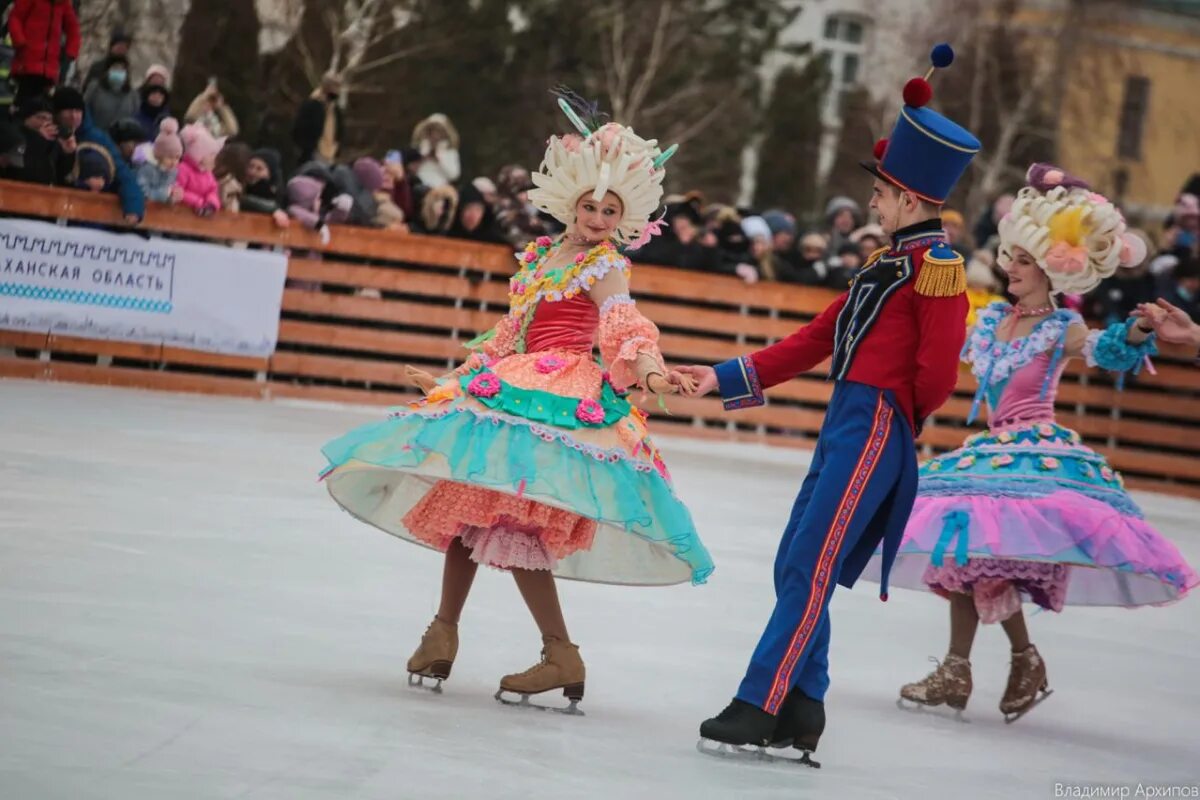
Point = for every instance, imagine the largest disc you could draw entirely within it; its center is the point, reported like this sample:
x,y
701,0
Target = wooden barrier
x,y
339,343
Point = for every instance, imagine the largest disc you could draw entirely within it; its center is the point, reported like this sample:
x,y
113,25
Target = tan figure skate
x,y
561,667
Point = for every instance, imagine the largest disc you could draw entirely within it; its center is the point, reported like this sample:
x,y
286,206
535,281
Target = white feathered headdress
x,y
1077,236
610,158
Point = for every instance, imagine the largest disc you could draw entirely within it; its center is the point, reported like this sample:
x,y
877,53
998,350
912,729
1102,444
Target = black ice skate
x,y
800,724
742,731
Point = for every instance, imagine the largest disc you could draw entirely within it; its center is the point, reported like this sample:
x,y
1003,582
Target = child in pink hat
x,y
200,191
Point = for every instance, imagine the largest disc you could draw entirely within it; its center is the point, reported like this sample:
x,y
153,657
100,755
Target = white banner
x,y
100,285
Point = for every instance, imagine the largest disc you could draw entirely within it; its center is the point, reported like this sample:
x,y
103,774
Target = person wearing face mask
x,y
319,126
37,29
529,457
1025,512
893,339
113,97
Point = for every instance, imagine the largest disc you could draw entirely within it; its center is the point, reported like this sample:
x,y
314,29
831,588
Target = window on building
x,y
849,68
1133,117
843,29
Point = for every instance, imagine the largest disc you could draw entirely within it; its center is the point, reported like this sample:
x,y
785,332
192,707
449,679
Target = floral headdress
x,y
599,159
1077,237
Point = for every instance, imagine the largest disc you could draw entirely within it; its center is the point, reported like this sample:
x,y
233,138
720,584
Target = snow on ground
x,y
184,613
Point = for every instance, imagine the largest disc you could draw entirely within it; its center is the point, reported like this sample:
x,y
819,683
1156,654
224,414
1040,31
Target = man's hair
x,y
930,209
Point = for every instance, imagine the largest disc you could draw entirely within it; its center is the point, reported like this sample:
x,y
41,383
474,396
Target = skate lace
x,y
540,665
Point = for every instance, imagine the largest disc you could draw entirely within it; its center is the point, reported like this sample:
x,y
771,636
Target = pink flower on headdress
x,y
544,241
1053,177
590,411
1002,460
530,258
579,258
1046,430
607,136
548,364
485,385
965,461
1106,473
572,142
1049,462
1062,257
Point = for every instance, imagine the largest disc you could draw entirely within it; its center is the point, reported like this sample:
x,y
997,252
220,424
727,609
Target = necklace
x,y
579,238
1020,311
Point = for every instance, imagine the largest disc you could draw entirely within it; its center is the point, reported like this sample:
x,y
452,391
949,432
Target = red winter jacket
x,y
37,28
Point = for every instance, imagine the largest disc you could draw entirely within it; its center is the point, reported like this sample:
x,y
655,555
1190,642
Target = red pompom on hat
x,y
917,92
879,149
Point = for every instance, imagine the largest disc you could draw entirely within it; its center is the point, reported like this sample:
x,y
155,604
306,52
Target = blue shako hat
x,y
927,153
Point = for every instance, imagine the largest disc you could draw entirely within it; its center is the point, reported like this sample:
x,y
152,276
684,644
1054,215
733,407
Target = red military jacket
x,y
900,326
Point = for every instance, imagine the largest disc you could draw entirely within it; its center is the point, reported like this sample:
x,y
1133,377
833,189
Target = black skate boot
x,y
741,731
800,724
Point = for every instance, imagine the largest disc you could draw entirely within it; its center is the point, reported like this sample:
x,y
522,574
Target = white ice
x,y
184,613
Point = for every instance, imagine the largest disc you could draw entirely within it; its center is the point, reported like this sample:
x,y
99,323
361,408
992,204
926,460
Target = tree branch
x,y
653,61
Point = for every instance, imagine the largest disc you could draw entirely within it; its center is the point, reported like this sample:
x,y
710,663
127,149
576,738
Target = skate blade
x,y
1009,719
750,753
417,681
943,711
571,710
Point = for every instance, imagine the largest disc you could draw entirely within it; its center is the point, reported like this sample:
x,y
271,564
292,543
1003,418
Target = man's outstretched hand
x,y
705,379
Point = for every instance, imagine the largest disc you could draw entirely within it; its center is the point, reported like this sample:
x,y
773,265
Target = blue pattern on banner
x,y
85,298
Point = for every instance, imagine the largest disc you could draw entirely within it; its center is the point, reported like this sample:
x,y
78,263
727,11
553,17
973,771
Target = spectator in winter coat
x,y
95,169
113,97
306,207
439,209
48,160
264,193
157,177
230,172
155,106
375,180
71,116
12,151
37,29
118,45
517,217
436,139
475,221
210,110
200,190
319,126
842,216
128,134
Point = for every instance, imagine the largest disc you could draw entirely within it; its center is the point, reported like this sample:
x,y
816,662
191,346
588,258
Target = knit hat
x,y
127,130
838,204
199,143
33,105
369,174
160,71
780,221
93,161
168,144
67,98
756,228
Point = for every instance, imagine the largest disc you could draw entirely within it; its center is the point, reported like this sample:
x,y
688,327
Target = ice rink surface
x,y
184,613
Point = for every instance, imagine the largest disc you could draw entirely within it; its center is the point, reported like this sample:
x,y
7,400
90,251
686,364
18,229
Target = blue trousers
x,y
861,483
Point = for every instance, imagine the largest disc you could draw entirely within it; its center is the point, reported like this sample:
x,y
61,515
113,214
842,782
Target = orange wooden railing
x,y
337,345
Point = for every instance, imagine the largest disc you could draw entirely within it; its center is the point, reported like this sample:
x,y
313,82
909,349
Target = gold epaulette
x,y
942,273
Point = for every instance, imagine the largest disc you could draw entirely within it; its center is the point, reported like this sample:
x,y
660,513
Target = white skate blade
x,y
1009,719
750,753
943,711
571,710
418,682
